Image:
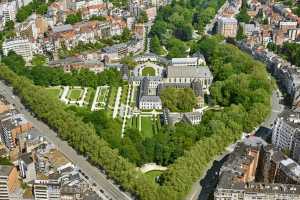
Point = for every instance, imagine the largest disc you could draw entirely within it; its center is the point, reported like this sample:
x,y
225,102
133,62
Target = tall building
x,y
227,26
286,133
46,189
8,181
27,167
21,46
11,125
251,161
8,11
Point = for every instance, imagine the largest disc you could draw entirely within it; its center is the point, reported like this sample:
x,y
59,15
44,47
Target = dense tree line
x,y
290,51
178,100
38,6
73,18
81,136
46,76
178,21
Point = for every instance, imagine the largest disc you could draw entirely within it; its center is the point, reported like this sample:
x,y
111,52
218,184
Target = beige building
x,y
8,181
227,26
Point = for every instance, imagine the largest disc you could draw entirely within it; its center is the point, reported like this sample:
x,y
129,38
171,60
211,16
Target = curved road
x,y
206,184
111,191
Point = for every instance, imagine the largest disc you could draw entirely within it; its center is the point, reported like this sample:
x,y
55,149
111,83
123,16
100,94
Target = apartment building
x,y
253,160
286,133
12,125
227,27
8,11
20,46
8,181
46,189
27,167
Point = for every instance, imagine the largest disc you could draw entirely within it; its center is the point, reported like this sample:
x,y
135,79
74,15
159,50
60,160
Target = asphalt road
x,y
111,191
206,184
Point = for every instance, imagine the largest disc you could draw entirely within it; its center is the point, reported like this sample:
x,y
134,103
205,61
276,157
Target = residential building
x,y
20,46
27,167
46,189
75,63
11,125
8,11
287,25
227,27
8,181
286,134
239,173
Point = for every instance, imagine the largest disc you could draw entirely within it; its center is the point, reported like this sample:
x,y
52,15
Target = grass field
x,y
75,94
103,95
148,71
112,96
89,96
124,94
149,125
151,175
54,92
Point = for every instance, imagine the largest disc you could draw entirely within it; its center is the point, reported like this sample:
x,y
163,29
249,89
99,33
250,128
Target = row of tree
x,y
38,6
46,76
290,51
241,86
176,23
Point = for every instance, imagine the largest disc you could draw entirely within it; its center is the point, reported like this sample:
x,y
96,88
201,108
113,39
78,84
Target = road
x,y
207,183
94,174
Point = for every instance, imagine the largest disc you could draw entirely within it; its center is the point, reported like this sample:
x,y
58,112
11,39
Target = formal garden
x,y
241,86
148,71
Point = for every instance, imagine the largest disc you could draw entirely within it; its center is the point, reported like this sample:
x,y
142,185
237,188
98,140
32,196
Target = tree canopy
x,y
178,100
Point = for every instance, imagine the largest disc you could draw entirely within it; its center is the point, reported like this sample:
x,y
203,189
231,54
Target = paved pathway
x,y
94,174
117,102
126,110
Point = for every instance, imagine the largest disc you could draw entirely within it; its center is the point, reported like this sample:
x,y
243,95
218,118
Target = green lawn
x,y
151,175
112,96
75,94
124,94
90,96
54,92
147,126
103,96
148,71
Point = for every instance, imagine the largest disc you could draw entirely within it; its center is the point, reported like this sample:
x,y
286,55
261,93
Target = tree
x,y
155,45
73,18
42,9
240,33
9,25
38,60
129,61
143,17
178,100
183,31
126,35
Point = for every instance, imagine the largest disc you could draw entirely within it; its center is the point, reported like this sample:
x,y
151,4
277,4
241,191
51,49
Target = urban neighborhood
x,y
149,99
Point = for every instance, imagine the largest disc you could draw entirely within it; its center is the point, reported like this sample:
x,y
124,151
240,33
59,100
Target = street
x,y
94,174
209,179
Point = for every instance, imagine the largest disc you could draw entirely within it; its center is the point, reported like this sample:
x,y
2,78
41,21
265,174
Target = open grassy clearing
x,y
89,96
75,94
148,71
152,175
112,97
54,92
124,94
103,95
